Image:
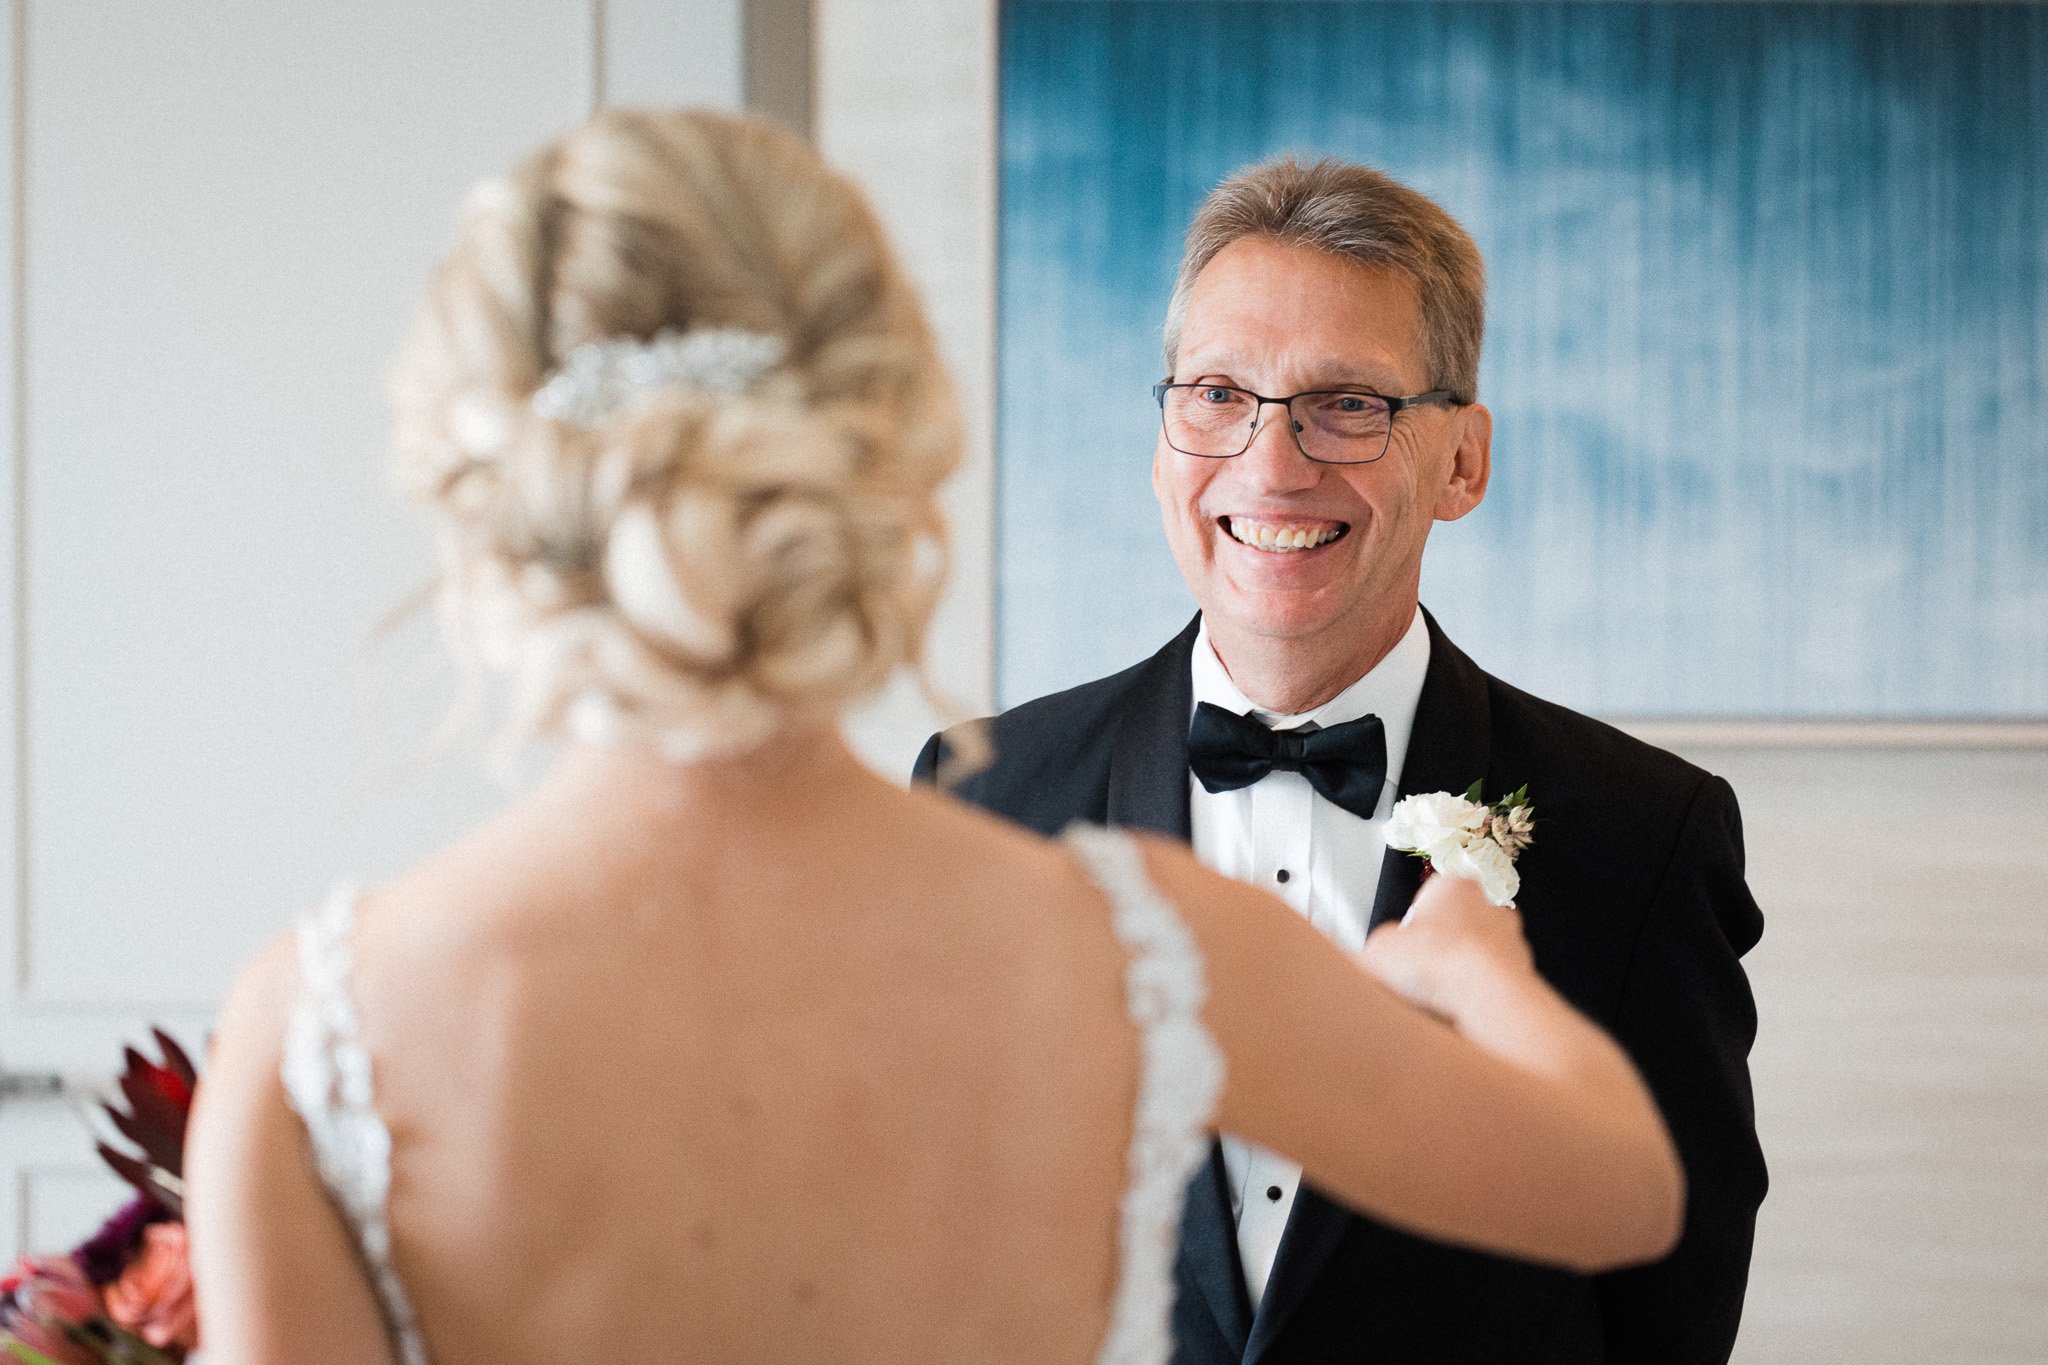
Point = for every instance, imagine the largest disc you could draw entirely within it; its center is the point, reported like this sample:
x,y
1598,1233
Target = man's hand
x,y
1452,944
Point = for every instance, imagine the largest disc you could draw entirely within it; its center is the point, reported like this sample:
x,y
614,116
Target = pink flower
x,y
40,1298
153,1297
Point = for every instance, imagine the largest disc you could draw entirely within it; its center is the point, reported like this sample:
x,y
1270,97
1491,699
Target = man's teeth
x,y
1268,536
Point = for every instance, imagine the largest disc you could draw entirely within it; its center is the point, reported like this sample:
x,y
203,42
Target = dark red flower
x,y
159,1100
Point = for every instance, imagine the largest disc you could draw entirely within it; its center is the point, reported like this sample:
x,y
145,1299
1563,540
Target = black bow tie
x,y
1346,763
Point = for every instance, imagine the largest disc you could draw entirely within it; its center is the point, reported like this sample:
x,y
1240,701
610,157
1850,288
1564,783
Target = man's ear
x,y
1471,464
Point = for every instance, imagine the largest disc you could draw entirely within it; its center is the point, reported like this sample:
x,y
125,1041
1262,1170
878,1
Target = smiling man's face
x,y
1322,560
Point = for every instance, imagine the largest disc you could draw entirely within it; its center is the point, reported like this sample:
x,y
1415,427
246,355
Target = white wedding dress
x,y
327,1077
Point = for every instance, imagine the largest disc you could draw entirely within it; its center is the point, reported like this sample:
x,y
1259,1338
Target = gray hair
x,y
1355,211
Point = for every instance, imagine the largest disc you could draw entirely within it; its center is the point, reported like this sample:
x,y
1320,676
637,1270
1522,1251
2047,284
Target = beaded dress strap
x,y
1180,1078
327,1079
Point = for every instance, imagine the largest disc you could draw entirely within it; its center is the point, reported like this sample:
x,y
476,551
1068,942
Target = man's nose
x,y
1273,460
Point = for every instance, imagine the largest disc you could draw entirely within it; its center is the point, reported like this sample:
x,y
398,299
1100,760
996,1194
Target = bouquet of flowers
x,y
124,1297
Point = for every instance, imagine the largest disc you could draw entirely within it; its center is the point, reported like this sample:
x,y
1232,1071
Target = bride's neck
x,y
795,766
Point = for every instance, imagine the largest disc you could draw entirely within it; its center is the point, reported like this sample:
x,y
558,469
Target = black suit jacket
x,y
1633,899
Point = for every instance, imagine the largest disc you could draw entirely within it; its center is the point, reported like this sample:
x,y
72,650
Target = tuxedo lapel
x,y
1148,768
1313,1229
1208,1252
1447,749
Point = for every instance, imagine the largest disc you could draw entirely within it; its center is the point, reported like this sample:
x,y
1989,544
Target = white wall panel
x,y
63,1206
53,1190
12,540
228,213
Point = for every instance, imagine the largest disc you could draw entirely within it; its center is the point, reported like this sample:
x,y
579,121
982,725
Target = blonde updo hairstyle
x,y
704,565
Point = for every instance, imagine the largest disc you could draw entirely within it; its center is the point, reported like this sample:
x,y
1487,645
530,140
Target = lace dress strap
x,y
326,1075
1180,1078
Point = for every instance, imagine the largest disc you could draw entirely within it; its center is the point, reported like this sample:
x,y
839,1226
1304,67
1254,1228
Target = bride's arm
x,y
276,1274
1502,1119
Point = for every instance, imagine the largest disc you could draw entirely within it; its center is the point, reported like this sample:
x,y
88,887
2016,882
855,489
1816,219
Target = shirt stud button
x,y
1273,1193
1282,875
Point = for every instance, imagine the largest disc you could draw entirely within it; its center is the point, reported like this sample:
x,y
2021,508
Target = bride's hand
x,y
1452,943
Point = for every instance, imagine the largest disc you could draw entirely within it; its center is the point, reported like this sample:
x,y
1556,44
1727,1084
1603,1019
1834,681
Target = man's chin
x,y
1276,617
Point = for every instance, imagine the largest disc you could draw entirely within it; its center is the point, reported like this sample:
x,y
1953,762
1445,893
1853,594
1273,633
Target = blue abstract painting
x,y
1767,342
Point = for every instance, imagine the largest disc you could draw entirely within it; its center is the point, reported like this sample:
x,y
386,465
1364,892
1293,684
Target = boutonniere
x,y
1467,837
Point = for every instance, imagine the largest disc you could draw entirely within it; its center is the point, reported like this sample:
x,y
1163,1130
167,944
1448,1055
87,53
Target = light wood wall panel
x,y
906,104
661,52
1902,1063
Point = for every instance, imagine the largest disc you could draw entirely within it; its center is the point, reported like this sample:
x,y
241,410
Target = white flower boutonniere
x,y
1467,838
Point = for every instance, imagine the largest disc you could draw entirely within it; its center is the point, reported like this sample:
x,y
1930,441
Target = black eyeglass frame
x,y
1259,401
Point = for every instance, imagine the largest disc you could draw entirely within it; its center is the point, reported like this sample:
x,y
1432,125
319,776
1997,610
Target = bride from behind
x,y
715,1046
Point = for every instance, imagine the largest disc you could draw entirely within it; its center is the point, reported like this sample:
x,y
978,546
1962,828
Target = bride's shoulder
x,y
994,849
272,983
240,1111
250,1025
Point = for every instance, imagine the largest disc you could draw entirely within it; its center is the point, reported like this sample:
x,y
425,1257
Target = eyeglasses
x,y
1331,426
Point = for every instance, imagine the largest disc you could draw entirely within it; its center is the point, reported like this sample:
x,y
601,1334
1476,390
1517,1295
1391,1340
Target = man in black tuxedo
x,y
1323,346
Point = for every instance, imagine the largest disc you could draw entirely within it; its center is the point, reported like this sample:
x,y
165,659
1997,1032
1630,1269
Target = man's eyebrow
x,y
1346,373
1324,377
1220,358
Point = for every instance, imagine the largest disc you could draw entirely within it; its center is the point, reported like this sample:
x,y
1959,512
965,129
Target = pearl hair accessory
x,y
601,378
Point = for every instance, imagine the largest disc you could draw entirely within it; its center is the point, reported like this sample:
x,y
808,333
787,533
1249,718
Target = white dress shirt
x,y
1280,835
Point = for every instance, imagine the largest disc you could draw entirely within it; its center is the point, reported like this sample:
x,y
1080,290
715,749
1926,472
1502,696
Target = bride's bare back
x,y
760,1065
